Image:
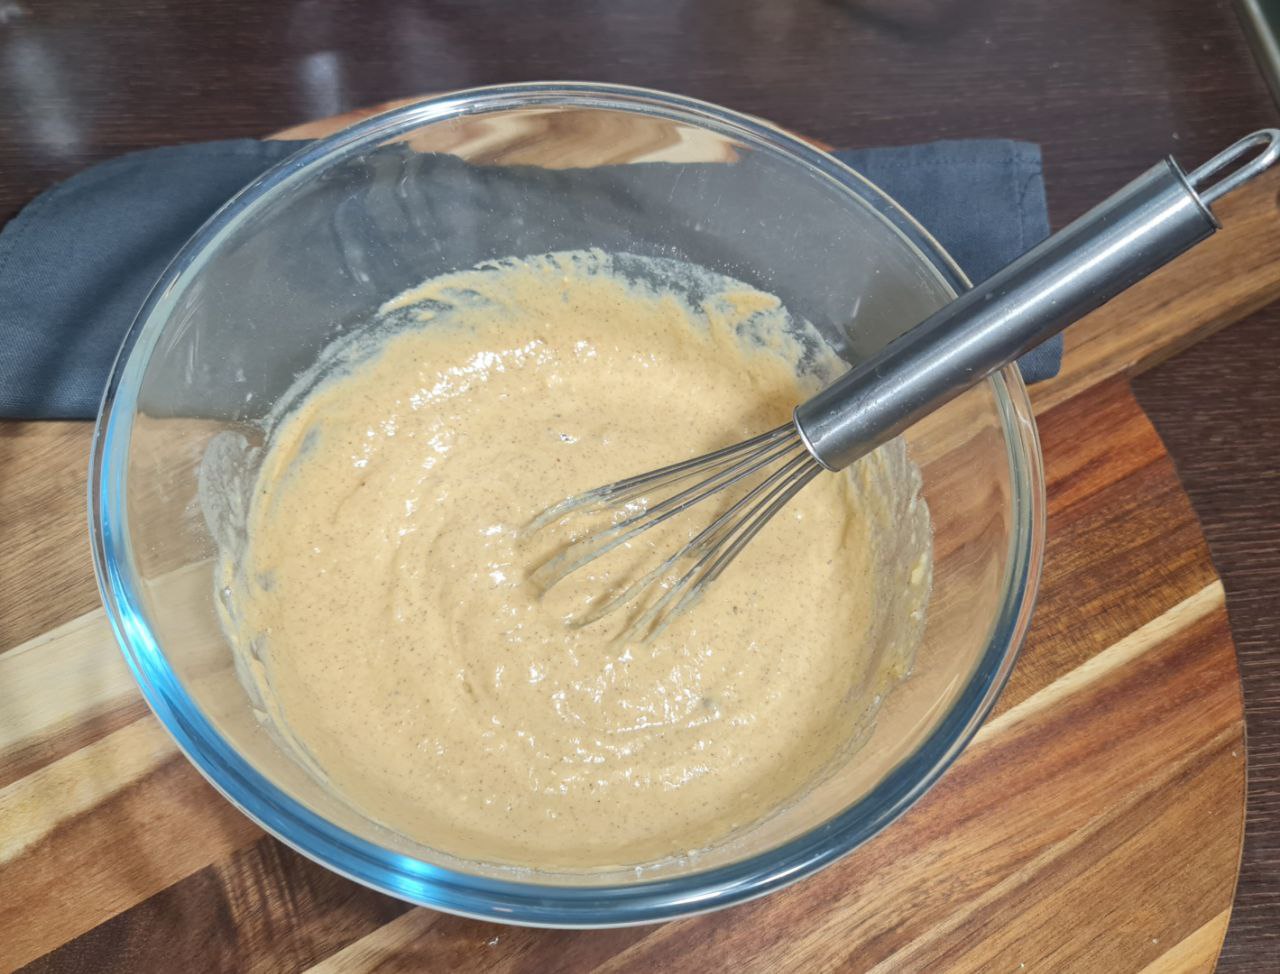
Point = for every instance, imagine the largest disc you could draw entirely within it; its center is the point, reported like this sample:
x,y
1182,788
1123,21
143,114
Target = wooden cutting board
x,y
1095,824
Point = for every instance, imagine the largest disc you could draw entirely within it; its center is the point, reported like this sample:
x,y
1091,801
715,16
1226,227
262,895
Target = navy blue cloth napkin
x,y
78,261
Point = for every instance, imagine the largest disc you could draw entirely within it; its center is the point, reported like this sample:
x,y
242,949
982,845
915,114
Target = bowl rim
x,y
505,900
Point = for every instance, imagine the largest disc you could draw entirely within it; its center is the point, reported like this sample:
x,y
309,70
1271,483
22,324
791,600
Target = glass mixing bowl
x,y
314,246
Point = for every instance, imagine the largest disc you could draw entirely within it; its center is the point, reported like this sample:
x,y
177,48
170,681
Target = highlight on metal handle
x,y
1269,138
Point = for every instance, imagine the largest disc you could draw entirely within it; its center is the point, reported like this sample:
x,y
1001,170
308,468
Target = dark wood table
x,y
1104,87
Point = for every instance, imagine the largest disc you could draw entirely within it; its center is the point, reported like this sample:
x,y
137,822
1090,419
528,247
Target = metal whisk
x,y
1146,224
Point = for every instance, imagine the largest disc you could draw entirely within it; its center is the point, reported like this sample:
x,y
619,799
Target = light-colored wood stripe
x,y
63,678
32,807
394,942
1186,613
1193,954
517,142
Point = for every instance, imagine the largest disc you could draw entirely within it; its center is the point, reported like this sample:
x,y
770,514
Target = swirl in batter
x,y
384,578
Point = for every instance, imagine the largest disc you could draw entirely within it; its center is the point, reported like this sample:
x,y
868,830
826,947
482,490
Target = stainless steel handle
x,y
1152,220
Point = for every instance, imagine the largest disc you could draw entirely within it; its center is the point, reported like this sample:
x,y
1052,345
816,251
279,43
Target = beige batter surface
x,y
433,685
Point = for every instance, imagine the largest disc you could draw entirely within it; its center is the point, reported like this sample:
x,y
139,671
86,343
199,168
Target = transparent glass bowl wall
x,y
312,248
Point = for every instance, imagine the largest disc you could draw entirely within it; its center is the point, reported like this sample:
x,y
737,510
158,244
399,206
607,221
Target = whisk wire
x,y
630,487
705,538
690,587
778,461
731,466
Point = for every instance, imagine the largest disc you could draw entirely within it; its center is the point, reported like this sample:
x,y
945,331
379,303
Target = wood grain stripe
x,y
265,908
134,842
78,783
1193,954
230,915
402,945
1187,613
426,940
60,692
1076,467
1124,849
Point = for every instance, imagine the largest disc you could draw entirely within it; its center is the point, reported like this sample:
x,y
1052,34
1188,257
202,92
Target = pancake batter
x,y
432,685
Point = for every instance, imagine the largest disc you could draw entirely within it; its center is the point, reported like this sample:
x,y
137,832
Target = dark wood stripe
x,y
33,755
262,908
1123,542
1091,442
1125,556
127,848
269,908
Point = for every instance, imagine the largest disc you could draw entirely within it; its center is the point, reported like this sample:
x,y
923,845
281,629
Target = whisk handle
x,y
1146,224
